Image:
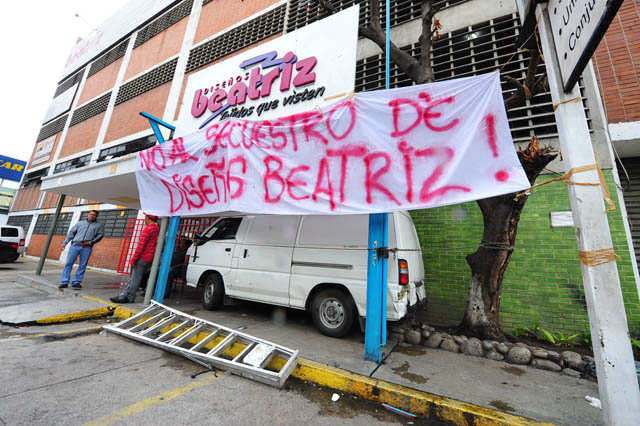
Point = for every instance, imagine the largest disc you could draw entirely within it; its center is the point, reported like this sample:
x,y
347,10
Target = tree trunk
x,y
488,264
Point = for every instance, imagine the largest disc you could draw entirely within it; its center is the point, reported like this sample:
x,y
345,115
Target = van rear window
x,y
9,232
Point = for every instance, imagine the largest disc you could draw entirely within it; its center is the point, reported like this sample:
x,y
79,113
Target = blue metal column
x,y
170,242
376,329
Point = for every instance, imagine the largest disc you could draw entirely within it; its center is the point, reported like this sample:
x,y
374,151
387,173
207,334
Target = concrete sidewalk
x,y
417,376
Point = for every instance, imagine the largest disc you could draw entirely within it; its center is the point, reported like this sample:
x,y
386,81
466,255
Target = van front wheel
x,y
213,293
333,312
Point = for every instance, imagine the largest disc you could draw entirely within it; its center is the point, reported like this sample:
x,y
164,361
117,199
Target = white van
x,y
317,263
11,243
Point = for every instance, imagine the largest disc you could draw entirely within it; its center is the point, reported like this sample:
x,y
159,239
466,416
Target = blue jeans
x,y
74,252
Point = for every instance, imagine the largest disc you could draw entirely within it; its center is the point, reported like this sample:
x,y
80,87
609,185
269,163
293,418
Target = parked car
x,y
317,263
11,243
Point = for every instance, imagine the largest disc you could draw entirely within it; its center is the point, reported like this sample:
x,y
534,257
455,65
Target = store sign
x,y
11,168
43,150
293,73
578,26
409,148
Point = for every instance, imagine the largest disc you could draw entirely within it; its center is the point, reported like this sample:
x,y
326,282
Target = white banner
x,y
409,148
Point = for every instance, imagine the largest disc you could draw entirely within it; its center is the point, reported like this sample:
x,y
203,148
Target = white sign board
x,y
578,26
293,73
43,150
408,148
61,103
123,22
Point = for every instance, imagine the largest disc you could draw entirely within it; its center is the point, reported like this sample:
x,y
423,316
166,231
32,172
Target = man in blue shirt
x,y
83,235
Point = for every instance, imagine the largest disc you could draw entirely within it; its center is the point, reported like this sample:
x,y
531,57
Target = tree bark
x,y
501,216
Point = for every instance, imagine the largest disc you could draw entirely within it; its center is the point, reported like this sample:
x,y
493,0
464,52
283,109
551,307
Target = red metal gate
x,y
189,227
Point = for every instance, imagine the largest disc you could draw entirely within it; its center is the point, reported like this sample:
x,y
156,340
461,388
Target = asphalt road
x,y
84,376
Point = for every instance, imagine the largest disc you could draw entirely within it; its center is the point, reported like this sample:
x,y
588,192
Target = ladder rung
x,y
187,335
173,331
247,348
222,346
259,355
151,309
151,320
206,340
159,325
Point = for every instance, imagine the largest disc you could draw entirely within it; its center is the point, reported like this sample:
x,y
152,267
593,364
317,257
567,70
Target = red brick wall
x,y
26,199
617,65
105,254
159,48
220,14
100,82
82,136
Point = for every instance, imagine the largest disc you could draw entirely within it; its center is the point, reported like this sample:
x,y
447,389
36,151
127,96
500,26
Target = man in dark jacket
x,y
83,236
141,259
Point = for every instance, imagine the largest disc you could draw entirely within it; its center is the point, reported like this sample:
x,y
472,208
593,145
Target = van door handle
x,y
227,249
244,256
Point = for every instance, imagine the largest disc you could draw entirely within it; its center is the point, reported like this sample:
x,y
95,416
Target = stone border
x,y
566,362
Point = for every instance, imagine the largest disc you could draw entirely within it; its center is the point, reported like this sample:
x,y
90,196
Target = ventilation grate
x,y
477,49
43,223
90,109
52,128
68,83
146,82
305,12
163,22
108,58
237,38
115,221
22,220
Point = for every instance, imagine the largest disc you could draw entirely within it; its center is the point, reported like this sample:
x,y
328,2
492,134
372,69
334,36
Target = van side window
x,y
9,232
225,229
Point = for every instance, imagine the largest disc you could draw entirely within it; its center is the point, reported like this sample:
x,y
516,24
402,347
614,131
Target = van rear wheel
x,y
213,293
333,312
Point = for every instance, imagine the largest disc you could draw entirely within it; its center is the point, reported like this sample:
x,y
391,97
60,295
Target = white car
x,y
317,263
11,243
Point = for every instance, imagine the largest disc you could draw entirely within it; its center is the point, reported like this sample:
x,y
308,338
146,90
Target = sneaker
x,y
76,287
63,286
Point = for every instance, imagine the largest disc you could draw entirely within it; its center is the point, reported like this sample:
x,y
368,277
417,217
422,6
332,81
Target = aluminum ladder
x,y
209,344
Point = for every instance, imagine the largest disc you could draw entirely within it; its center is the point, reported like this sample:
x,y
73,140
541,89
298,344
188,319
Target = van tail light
x,y
403,267
186,259
14,246
21,242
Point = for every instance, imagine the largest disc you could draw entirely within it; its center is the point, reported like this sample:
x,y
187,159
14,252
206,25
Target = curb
x,y
35,283
432,407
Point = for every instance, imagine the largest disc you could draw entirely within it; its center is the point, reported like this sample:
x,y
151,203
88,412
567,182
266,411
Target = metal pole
x,y
375,336
617,383
52,228
151,283
166,259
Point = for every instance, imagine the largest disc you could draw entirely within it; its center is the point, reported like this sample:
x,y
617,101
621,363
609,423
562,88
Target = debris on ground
x,y
593,401
401,412
335,397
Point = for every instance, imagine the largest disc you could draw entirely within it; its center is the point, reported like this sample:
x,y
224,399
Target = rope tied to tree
x,y
556,106
493,245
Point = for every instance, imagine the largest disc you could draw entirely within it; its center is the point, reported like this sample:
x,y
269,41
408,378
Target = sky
x,y
36,38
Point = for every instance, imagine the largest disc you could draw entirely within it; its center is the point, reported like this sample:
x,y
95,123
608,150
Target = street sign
x,y
11,168
578,26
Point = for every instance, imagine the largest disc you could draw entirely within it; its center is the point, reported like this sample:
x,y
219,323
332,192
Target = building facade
x,y
88,140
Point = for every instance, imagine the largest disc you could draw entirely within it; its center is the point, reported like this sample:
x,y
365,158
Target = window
x,y
23,220
43,223
34,178
76,163
114,221
9,232
126,148
224,229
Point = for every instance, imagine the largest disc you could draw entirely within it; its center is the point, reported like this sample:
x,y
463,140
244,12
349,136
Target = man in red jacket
x,y
141,259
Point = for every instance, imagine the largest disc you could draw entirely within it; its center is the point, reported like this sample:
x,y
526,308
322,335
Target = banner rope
x,y
598,257
556,106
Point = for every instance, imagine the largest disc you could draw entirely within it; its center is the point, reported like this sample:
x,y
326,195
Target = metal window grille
x,y
22,220
126,148
43,223
34,178
206,1
305,12
237,38
52,128
163,22
154,78
68,83
474,50
90,109
114,221
108,58
75,163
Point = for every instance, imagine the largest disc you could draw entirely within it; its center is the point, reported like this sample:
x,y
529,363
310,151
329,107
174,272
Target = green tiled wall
x,y
543,279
